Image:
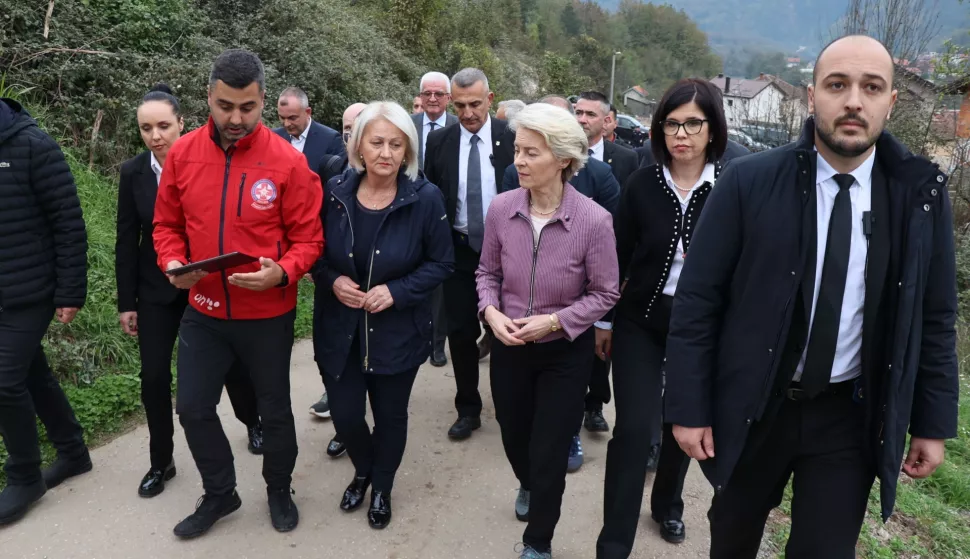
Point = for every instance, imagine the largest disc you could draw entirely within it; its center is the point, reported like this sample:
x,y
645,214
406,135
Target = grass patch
x,y
95,361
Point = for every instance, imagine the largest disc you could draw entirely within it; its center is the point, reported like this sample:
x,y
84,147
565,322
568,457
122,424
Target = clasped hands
x,y
520,330
377,299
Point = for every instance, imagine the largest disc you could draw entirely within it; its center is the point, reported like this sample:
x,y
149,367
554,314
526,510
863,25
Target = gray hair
x,y
296,93
396,115
436,76
559,101
560,130
512,107
469,77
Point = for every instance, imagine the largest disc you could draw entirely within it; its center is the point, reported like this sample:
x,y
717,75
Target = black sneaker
x,y
595,422
65,468
16,500
282,509
208,511
322,408
256,439
337,447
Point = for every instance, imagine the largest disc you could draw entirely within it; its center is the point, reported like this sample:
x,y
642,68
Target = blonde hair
x,y
560,130
396,115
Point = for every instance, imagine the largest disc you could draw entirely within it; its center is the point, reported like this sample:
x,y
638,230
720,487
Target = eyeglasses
x,y
432,94
691,127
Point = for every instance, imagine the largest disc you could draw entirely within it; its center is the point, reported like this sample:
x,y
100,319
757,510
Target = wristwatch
x,y
285,281
554,322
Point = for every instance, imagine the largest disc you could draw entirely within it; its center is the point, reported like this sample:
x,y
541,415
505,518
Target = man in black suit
x,y
314,140
434,93
813,327
592,110
609,130
467,162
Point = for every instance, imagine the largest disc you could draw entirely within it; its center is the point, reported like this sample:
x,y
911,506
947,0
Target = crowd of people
x,y
811,329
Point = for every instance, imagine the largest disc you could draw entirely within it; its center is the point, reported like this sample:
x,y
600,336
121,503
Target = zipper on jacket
x,y
242,184
370,274
222,227
535,258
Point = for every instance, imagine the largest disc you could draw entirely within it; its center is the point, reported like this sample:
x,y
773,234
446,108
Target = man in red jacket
x,y
233,185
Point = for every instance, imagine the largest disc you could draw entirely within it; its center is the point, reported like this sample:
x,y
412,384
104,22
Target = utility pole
x,y
613,74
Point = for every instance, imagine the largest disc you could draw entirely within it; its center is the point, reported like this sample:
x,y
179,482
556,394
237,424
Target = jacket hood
x,y
13,119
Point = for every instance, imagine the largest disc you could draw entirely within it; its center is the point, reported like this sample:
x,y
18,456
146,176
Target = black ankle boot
x,y
379,515
15,500
65,468
355,493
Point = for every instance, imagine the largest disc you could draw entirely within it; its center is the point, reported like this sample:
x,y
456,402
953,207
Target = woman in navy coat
x,y
388,246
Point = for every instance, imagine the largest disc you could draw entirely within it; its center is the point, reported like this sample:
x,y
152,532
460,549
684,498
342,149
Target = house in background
x,y
636,102
766,101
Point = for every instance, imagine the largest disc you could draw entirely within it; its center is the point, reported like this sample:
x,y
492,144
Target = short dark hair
x,y
596,96
238,68
162,92
708,98
892,75
613,110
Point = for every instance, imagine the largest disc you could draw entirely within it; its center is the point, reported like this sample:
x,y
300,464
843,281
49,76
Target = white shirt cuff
x,y
603,325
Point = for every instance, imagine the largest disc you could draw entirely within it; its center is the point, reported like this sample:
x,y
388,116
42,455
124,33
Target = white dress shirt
x,y
300,141
488,174
156,168
707,175
426,128
597,150
847,364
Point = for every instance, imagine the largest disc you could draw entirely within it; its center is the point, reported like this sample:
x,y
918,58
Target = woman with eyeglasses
x,y
660,205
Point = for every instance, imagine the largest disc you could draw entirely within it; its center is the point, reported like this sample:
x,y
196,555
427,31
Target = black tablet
x,y
216,264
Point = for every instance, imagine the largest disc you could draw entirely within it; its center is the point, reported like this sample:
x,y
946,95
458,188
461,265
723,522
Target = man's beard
x,y
845,147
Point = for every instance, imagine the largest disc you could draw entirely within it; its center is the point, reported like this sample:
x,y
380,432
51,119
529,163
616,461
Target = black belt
x,y
459,237
796,393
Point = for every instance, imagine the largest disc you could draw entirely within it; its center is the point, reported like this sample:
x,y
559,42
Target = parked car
x,y
746,140
630,130
769,136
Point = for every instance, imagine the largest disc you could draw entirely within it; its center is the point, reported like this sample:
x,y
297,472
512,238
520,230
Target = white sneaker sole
x,y
324,415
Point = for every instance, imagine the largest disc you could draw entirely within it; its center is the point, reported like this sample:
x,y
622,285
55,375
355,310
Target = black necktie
x,y
591,153
828,308
432,125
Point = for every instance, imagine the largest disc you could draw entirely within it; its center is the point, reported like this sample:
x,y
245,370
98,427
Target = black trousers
x,y
820,442
538,391
440,318
376,455
207,349
638,356
599,385
464,328
158,327
28,391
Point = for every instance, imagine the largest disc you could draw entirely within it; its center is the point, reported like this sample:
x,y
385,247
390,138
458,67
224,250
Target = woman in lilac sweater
x,y
547,272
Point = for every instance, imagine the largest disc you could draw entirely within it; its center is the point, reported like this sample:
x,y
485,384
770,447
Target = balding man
x,y
311,138
435,94
467,162
813,324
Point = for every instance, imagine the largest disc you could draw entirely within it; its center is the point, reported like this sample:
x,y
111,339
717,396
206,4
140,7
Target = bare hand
x,y
378,299
925,455
184,281
696,442
348,292
604,343
269,275
66,314
129,322
502,326
308,276
533,328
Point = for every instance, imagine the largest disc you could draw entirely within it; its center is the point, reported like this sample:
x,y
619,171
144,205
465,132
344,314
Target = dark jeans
x,y
638,356
376,454
821,443
464,329
207,349
599,385
158,327
28,390
538,391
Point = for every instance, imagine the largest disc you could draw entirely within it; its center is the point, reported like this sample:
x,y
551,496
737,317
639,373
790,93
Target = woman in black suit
x,y
150,306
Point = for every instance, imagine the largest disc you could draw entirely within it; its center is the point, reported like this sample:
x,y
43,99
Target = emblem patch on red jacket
x,y
263,193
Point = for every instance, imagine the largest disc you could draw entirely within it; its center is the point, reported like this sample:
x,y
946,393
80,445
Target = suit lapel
x,y
608,152
450,149
498,137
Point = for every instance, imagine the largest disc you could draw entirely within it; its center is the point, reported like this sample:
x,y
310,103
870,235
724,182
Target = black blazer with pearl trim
x,y
649,222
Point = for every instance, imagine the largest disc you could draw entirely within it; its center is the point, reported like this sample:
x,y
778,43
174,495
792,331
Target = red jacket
x,y
258,198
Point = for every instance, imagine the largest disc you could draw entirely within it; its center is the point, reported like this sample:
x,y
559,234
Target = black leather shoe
x,y
15,500
438,358
354,494
462,429
63,469
154,481
672,531
282,509
379,515
208,511
256,439
484,346
654,458
595,422
336,448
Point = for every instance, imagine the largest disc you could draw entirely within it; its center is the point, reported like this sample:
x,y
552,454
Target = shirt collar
x,y
156,166
485,134
306,131
862,174
599,149
441,122
707,175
